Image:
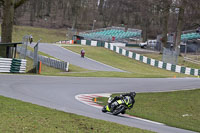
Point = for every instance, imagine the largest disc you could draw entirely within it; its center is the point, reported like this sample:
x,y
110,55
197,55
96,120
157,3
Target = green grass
x,y
134,68
18,116
47,35
168,108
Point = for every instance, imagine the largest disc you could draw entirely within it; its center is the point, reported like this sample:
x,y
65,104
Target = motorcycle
x,y
118,106
82,53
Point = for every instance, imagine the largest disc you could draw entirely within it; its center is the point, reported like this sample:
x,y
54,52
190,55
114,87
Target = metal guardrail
x,y
191,60
48,61
54,63
170,56
12,65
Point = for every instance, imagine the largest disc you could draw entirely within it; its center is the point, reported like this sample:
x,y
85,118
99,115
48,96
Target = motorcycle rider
x,y
131,94
82,53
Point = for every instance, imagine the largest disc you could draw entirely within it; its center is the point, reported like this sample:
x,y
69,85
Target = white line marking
x,y
143,119
87,99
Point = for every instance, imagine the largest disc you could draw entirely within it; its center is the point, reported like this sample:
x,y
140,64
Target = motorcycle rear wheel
x,y
104,109
118,110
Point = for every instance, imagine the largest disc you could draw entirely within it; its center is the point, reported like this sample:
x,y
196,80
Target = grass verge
x,y
18,116
134,68
47,35
178,109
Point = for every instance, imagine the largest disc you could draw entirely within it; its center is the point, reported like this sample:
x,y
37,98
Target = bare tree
x,y
9,7
7,24
75,8
165,11
181,6
152,16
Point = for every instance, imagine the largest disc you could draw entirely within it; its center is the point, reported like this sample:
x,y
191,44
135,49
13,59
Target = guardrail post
x,y
36,64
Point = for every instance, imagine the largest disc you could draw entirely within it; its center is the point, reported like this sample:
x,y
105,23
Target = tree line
x,y
152,16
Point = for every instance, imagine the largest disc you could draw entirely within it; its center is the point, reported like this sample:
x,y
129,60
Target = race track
x,y
59,93
74,58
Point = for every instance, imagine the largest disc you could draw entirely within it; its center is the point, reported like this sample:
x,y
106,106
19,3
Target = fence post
x,y
24,46
35,65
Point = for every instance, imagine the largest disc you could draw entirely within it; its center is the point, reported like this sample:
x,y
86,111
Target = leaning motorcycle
x,y
82,55
118,106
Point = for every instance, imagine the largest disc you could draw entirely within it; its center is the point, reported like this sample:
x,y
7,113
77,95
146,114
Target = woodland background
x,y
79,14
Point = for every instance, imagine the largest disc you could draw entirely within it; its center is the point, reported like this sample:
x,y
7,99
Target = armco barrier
x,y
48,61
12,65
144,59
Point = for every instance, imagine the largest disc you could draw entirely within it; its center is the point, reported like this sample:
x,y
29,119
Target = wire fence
x,y
46,60
170,56
23,48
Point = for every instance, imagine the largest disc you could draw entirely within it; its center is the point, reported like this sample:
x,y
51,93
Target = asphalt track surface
x,y
59,93
74,58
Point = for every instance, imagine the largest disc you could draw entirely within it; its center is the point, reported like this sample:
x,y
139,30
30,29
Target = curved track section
x,y
74,58
89,100
59,93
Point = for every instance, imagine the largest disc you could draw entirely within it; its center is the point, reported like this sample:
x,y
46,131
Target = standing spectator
x,y
171,46
31,39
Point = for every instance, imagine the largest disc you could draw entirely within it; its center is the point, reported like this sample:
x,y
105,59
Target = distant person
x,y
198,30
31,39
171,46
82,53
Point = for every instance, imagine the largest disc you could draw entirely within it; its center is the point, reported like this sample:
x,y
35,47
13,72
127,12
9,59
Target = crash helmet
x,y
133,94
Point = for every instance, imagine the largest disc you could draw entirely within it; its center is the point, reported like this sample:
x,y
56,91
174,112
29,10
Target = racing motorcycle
x,y
118,106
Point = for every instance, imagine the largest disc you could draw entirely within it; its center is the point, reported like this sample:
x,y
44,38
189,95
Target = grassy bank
x,y
179,109
134,68
47,35
17,116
